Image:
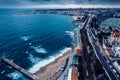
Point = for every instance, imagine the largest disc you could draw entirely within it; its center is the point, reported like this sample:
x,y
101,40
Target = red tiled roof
x,y
74,74
116,34
79,51
110,51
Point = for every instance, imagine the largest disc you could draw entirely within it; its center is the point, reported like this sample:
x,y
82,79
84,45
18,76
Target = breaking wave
x,y
39,49
45,62
26,38
33,59
16,76
70,33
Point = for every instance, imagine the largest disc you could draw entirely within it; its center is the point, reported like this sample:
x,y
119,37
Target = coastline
x,y
38,68
50,69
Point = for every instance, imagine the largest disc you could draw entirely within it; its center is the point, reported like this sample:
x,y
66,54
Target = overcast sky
x,y
25,3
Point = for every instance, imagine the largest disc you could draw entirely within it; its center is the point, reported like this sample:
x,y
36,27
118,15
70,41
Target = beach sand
x,y
49,70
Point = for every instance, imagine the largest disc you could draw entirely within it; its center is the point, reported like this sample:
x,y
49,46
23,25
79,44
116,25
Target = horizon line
x,y
54,6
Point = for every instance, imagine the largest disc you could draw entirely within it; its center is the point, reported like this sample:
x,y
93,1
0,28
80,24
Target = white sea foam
x,y
71,33
15,75
39,49
44,62
74,17
3,72
33,59
30,43
26,38
26,52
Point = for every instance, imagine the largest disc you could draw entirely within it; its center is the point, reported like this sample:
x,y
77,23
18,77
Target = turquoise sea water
x,y
30,40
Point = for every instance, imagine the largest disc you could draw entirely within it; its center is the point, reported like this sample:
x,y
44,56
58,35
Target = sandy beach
x,y
50,70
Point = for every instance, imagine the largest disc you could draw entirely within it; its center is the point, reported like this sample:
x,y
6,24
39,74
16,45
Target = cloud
x,y
70,6
19,3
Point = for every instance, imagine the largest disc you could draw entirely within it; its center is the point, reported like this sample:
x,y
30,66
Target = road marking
x,y
114,70
117,75
110,66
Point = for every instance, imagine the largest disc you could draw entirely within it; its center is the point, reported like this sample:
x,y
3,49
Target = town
x,y
96,49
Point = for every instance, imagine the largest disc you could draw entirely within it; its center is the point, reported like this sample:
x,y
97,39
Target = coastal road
x,y
89,75
109,72
70,60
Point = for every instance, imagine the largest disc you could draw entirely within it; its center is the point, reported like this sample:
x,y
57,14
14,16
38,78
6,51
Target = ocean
x,y
32,40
